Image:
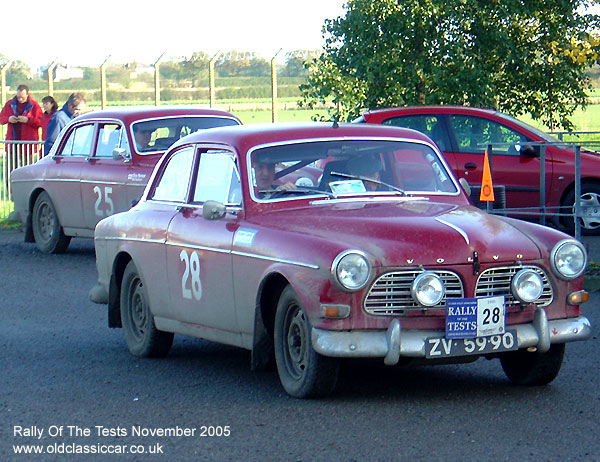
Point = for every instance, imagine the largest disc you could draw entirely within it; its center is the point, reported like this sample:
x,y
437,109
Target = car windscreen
x,y
157,135
347,167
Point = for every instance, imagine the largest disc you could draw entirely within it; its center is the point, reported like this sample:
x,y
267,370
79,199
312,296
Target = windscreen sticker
x,y
244,237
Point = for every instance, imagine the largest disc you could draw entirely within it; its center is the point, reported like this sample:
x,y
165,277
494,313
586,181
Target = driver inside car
x,y
264,174
367,167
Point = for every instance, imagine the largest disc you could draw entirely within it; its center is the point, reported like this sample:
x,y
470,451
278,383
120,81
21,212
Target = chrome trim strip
x,y
197,247
104,182
132,239
277,260
455,228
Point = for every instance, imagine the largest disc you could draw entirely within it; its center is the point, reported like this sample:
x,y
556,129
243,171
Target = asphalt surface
x,y
65,374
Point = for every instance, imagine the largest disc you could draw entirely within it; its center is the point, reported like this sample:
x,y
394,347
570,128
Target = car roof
x,y
439,109
244,137
130,114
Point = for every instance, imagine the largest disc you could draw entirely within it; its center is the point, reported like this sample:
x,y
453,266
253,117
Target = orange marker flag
x,y
487,189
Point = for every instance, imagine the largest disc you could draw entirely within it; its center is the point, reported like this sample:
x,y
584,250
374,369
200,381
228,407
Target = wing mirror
x,y
528,151
120,153
465,186
213,210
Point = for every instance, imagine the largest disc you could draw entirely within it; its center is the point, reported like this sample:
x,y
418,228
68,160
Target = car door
x,y
63,177
199,260
103,179
519,174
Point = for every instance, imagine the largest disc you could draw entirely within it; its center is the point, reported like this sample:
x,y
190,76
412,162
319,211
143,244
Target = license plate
x,y
448,347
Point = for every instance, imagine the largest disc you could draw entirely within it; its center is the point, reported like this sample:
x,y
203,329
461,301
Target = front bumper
x,y
394,342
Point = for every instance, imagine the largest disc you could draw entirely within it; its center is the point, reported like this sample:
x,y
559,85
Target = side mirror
x,y
120,153
465,186
528,151
213,210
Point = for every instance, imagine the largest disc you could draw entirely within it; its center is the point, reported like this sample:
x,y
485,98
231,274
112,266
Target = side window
x,y
427,124
473,134
79,142
174,180
218,179
109,138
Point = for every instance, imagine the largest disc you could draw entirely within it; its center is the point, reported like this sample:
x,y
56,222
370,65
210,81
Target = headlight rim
x,y
335,265
413,290
559,245
514,289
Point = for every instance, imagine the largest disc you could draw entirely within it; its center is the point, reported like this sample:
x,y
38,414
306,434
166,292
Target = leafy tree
x,y
518,56
242,63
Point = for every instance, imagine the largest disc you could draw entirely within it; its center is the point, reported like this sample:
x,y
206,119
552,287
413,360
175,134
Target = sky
x,y
82,33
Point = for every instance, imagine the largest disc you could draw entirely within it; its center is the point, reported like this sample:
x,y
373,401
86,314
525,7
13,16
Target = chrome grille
x,y
496,281
390,293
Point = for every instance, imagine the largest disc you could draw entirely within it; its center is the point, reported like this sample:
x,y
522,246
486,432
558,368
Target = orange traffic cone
x,y
487,189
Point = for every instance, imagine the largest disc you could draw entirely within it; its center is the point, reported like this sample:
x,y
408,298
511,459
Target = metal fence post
x,y
274,87
577,150
50,72
103,82
543,184
157,80
211,79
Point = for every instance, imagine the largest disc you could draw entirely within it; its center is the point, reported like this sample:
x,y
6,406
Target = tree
x,y
512,55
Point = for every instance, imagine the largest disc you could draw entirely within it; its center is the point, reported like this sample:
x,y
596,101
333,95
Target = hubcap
x,y
46,221
590,210
296,343
138,310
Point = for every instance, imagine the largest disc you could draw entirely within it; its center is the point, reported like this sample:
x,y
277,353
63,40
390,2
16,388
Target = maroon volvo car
x,y
98,166
315,242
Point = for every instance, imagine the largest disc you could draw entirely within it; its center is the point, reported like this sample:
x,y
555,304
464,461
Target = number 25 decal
x,y
107,200
192,273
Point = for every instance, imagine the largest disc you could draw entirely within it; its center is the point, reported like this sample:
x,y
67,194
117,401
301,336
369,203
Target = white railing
x,y
15,154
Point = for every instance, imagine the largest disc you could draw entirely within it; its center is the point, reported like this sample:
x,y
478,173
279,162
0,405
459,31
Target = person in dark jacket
x,y
61,118
22,114
50,107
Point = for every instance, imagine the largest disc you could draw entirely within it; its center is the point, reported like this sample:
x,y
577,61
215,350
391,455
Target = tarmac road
x,y
68,383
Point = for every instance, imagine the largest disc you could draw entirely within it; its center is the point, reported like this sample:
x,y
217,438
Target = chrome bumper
x,y
394,342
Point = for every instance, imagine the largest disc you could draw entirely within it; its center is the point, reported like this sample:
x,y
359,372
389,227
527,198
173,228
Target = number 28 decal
x,y
191,274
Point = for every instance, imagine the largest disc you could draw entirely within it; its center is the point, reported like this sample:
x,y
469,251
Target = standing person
x,y
61,118
50,107
22,114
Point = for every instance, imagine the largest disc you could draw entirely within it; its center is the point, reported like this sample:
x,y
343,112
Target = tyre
x,y
47,231
533,368
303,372
142,337
590,221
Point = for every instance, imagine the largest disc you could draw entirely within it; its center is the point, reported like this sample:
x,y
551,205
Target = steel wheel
x,y
142,337
591,216
47,231
303,372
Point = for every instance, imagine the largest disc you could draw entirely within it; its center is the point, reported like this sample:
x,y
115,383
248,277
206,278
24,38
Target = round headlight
x,y
351,270
527,286
428,289
568,259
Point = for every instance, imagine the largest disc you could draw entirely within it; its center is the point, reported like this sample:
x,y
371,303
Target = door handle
x,y
470,166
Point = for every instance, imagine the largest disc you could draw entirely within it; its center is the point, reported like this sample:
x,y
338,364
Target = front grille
x,y
390,293
496,281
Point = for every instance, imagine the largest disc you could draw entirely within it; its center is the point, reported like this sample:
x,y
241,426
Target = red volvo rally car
x,y
464,133
98,166
314,242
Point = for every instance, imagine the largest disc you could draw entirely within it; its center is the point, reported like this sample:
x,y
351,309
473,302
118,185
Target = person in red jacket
x,y
50,107
22,114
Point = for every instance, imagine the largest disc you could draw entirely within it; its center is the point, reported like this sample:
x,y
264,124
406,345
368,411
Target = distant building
x,y
140,69
62,72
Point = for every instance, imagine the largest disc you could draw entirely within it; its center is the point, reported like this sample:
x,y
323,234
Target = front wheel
x,y
303,372
47,232
142,337
533,368
590,219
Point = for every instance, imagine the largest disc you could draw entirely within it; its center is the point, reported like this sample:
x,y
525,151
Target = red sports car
x,y
98,166
315,242
463,134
